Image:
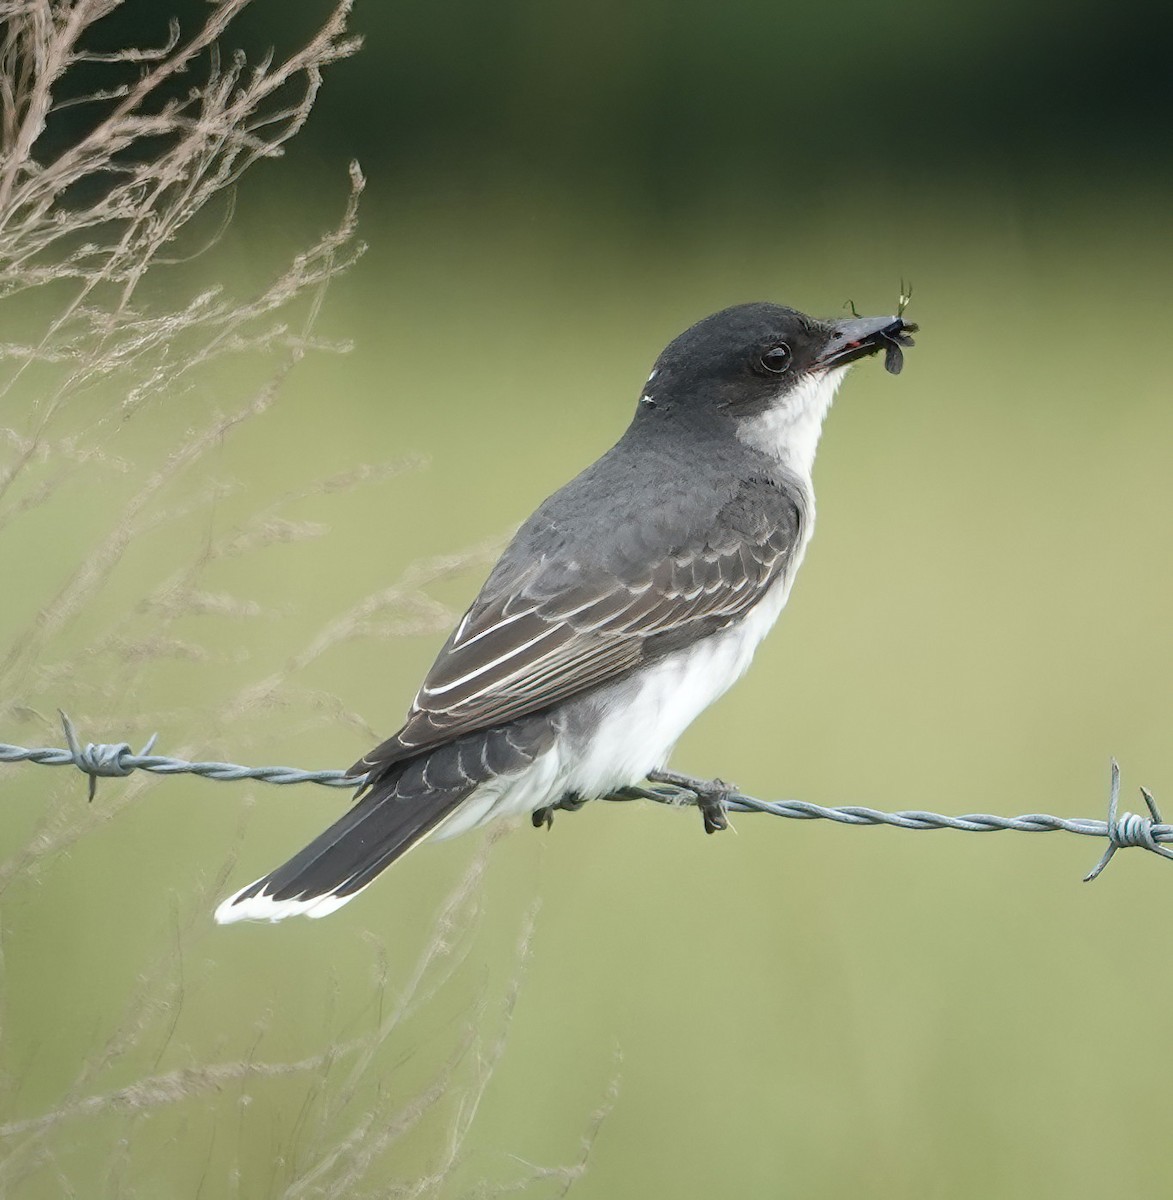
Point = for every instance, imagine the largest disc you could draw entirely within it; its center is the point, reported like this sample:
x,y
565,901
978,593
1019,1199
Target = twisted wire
x,y
1122,830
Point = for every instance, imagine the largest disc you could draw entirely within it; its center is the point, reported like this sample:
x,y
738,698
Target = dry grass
x,y
87,223
83,227
96,225
350,1122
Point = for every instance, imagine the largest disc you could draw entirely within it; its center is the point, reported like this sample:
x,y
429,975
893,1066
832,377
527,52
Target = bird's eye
x,y
776,359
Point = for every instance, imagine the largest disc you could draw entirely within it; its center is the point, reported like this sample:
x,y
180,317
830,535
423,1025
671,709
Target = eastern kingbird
x,y
625,605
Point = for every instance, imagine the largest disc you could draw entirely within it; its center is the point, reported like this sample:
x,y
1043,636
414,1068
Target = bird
x,y
630,600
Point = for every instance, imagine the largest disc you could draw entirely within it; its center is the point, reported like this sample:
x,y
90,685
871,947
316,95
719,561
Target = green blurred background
x,y
796,1009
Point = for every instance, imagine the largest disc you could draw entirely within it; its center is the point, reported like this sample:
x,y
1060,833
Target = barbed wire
x,y
1122,830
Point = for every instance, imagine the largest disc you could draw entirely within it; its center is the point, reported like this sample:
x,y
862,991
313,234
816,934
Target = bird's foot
x,y
711,796
570,802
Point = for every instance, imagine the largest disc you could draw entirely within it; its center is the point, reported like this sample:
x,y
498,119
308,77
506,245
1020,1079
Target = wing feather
x,y
559,627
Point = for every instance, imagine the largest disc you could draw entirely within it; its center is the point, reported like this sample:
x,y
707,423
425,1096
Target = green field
x,y
259,559
792,1009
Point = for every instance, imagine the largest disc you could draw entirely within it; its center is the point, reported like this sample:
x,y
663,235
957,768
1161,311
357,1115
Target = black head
x,y
746,360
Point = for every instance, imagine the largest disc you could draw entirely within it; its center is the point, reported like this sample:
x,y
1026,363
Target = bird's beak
x,y
856,338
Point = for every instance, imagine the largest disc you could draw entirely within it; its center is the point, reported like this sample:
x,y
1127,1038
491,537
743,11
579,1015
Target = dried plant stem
x,y
89,223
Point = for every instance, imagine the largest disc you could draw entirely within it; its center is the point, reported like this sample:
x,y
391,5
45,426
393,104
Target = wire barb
x,y
101,758
1127,829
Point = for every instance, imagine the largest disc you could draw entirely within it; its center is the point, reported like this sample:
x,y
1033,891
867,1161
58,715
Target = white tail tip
x,y
262,907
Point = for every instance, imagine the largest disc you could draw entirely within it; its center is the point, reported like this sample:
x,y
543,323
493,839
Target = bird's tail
x,y
404,802
335,867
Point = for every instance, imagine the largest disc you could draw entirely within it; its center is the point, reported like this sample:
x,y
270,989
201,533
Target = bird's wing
x,y
561,627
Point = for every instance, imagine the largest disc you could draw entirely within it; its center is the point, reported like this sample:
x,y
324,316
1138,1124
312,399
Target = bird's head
x,y
765,374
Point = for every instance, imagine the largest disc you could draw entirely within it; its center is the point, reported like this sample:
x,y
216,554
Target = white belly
x,y
634,723
642,719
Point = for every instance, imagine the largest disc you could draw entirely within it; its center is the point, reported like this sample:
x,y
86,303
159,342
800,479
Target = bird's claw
x,y
570,802
712,806
711,795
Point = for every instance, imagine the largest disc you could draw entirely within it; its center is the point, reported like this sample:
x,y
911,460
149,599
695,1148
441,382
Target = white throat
x,y
790,430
